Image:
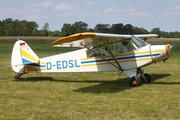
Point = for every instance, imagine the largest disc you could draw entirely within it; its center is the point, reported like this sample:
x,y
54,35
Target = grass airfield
x,y
88,96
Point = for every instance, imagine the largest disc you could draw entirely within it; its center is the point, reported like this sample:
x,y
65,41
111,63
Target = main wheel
x,y
148,78
135,81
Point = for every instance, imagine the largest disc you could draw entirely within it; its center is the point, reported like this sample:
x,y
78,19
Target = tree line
x,y
10,27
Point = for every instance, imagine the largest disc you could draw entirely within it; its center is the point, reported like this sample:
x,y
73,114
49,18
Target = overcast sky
x,y
148,14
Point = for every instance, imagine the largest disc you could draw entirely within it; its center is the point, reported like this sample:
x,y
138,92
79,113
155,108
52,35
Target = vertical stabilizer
x,y
22,55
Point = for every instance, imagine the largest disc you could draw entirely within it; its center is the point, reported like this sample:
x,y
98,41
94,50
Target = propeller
x,y
169,49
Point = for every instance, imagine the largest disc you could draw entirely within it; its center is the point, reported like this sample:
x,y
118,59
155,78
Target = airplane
x,y
92,55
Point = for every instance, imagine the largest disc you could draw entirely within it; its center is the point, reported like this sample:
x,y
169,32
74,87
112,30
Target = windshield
x,y
139,42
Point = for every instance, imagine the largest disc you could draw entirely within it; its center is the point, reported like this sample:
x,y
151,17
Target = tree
x,y
140,30
66,30
55,33
102,28
35,33
8,26
128,29
1,28
45,29
117,28
33,28
78,27
176,34
156,31
90,30
24,28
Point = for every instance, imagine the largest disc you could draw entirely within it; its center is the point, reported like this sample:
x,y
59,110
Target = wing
x,y
94,39
88,39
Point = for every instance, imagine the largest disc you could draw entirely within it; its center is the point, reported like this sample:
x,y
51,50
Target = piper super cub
x,y
99,52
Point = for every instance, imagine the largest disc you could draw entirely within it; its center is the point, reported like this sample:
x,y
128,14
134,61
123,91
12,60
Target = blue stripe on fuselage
x,y
119,58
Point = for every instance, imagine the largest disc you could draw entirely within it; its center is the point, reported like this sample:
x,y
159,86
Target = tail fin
x,y
22,55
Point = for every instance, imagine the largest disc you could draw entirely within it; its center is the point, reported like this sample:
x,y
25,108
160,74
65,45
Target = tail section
x,y
22,55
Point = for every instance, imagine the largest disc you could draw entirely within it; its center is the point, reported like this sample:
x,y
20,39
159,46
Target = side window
x,y
126,46
131,47
115,47
89,53
93,52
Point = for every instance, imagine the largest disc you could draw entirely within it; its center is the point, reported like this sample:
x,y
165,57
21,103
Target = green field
x,y
88,96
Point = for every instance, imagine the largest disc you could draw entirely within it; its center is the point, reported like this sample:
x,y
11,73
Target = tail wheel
x,y
148,78
134,81
17,77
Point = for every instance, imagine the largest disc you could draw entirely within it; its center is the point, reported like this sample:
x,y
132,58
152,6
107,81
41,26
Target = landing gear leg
x,y
19,75
146,78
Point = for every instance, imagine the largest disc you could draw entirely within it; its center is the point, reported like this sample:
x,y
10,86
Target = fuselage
x,y
78,61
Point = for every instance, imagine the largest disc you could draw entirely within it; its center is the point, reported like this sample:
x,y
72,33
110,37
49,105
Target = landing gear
x,y
139,78
146,78
19,75
135,81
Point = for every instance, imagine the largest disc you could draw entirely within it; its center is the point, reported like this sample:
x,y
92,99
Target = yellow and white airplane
x,y
99,52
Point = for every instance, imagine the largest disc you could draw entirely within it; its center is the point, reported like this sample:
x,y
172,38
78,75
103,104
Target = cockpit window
x,y
139,42
115,45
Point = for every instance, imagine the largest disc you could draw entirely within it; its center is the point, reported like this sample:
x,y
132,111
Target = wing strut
x,y
100,56
110,51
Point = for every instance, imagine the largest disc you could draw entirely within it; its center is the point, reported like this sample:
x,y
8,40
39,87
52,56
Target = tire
x,y
148,78
17,77
135,81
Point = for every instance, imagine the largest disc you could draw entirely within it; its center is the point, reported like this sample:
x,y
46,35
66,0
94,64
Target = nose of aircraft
x,y
169,49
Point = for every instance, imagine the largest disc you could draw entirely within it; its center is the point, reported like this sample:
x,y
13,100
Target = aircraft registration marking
x,y
62,64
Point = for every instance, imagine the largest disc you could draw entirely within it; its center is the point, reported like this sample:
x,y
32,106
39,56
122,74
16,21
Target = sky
x,y
149,14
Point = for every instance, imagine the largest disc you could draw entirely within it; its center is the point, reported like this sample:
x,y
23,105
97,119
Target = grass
x,y
88,96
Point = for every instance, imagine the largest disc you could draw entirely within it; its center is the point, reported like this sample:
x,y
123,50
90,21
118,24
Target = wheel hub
x,y
134,82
